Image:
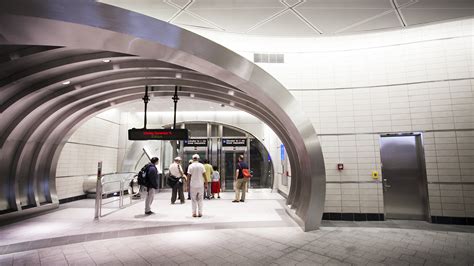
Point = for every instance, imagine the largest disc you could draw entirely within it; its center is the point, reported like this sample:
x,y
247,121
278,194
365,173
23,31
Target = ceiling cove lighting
x,y
106,60
67,82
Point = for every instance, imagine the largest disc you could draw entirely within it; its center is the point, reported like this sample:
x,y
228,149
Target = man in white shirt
x,y
197,180
176,172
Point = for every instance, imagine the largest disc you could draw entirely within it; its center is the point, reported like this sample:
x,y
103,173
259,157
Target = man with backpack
x,y
242,177
150,181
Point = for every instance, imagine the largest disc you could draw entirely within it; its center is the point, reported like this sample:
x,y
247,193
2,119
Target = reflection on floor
x,y
257,232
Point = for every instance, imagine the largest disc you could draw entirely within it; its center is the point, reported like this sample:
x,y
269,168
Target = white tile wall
x,y
96,140
69,186
353,95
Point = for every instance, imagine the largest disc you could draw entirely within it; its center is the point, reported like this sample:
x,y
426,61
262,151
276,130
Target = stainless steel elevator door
x,y
230,166
403,177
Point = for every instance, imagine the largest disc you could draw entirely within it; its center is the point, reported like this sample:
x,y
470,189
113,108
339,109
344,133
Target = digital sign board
x,y
157,134
195,143
234,142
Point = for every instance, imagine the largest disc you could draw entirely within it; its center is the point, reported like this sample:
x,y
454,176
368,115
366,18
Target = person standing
x,y
176,172
187,183
216,183
151,184
197,185
208,167
240,180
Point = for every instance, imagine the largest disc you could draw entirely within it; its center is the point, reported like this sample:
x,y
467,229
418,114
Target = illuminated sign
x,y
282,152
234,142
196,142
157,134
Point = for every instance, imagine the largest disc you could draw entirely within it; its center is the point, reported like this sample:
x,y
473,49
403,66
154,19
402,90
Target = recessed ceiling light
x,y
178,75
191,95
231,93
106,60
67,82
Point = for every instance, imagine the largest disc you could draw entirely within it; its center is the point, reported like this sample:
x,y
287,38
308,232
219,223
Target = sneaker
x,y
149,213
242,200
199,215
218,197
194,215
235,201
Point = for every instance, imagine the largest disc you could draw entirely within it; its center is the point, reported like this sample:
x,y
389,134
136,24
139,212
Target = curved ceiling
x,y
298,17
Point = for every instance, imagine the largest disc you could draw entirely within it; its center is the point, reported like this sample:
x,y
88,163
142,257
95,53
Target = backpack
x,y
245,172
141,176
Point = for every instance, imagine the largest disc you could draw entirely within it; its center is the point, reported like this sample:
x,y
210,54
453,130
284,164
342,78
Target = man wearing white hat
x,y
197,180
176,172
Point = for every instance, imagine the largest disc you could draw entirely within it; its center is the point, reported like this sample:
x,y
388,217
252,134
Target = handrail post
x,y
130,194
98,191
121,194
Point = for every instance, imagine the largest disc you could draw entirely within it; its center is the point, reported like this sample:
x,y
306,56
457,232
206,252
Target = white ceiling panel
x,y
287,24
387,21
239,20
236,4
404,2
292,2
180,3
329,16
186,19
152,8
444,4
333,20
419,16
349,4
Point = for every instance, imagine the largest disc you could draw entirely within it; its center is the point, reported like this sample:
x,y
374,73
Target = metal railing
x,y
112,184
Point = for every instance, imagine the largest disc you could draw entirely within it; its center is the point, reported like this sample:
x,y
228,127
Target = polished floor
x,y
257,232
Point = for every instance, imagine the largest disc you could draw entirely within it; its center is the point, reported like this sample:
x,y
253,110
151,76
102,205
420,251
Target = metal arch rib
x,y
14,116
158,40
18,112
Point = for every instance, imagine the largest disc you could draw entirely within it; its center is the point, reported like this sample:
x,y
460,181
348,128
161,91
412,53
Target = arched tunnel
x,y
62,64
